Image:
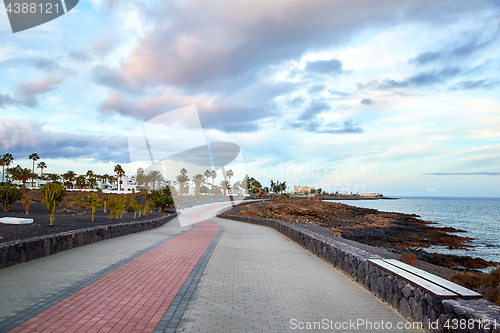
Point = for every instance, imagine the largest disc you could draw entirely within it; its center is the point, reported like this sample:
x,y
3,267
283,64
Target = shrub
x,y
8,195
54,192
486,284
409,258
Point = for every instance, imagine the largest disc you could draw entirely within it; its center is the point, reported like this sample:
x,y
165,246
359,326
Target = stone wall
x,y
16,252
436,315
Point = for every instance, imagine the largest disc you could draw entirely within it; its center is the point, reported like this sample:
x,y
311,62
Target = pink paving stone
x,y
127,292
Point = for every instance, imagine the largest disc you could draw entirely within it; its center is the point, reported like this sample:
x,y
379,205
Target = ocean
x,y
480,217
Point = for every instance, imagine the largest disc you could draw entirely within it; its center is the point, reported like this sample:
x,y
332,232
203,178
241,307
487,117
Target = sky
x,y
391,96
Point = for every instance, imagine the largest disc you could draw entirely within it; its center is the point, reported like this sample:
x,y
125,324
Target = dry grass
x,y
409,258
486,284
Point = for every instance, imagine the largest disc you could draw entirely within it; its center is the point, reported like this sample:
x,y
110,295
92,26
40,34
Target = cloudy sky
x,y
392,96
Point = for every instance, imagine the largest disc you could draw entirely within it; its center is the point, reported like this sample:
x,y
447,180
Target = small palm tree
x,y
35,158
80,181
213,174
229,174
41,165
225,186
119,173
139,178
22,174
7,160
181,180
69,177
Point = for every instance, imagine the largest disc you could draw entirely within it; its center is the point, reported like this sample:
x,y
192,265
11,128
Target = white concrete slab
x,y
15,220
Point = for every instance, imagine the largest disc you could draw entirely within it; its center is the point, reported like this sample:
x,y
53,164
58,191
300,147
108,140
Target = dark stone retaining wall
x,y
16,252
412,302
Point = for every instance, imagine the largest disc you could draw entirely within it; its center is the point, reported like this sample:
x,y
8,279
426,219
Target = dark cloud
x,y
6,100
315,126
21,137
477,84
486,173
462,48
421,79
28,91
367,101
315,108
324,66
433,77
36,62
315,88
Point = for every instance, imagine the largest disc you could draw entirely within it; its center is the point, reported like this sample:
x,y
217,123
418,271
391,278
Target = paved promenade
x,y
214,276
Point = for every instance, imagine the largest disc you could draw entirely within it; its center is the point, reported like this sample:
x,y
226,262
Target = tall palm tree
x,y
229,174
35,158
198,179
41,165
119,173
181,180
225,186
183,171
154,176
69,177
105,178
7,160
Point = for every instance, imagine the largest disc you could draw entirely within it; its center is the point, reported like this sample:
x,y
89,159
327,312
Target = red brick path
x,y
132,298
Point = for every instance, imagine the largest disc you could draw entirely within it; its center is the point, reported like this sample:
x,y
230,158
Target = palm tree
x,y
213,174
7,160
22,174
197,180
225,186
92,181
80,180
183,171
41,165
119,173
181,180
139,178
53,177
69,177
229,174
35,158
2,163
154,176
112,179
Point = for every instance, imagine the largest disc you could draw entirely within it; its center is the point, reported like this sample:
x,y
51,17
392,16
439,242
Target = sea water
x,y
480,217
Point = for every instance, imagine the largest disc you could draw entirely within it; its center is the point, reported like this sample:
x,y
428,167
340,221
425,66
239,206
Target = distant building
x,y
303,189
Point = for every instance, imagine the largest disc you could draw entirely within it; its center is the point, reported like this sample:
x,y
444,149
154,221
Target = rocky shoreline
x,y
395,232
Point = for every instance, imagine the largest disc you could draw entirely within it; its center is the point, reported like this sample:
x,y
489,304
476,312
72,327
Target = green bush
x,y
8,195
161,199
